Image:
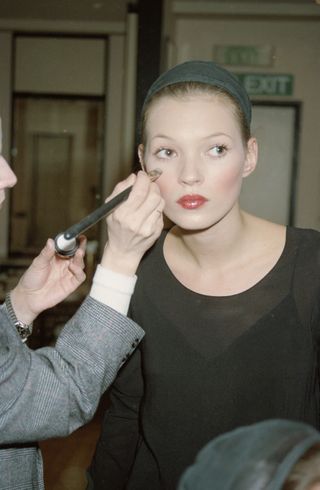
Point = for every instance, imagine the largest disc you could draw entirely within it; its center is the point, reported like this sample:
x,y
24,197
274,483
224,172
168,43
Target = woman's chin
x,y
193,225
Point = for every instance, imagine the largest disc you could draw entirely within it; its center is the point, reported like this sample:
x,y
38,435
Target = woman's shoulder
x,y
308,233
304,238
300,246
304,245
299,236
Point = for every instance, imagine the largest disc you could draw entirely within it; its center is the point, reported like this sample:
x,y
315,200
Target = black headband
x,y
204,72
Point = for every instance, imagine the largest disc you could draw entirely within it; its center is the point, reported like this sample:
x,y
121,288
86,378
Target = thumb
x,y
46,254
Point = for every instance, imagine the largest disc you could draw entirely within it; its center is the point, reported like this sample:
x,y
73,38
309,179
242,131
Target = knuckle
x,y
155,188
139,194
153,199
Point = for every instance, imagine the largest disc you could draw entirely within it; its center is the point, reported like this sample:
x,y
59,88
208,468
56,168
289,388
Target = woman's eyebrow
x,y
211,135
163,136
214,135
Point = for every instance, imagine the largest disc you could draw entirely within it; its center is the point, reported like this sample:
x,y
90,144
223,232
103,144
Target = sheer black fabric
x,y
210,364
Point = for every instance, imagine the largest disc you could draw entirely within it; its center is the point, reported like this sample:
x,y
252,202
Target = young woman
x,y
229,302
52,391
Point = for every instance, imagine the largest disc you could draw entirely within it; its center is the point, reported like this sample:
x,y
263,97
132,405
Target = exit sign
x,y
244,55
266,84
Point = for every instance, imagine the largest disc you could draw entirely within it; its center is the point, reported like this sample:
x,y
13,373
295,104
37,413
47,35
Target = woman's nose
x,y
190,171
7,176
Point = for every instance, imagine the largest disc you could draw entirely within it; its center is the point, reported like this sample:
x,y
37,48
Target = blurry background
x,y
73,75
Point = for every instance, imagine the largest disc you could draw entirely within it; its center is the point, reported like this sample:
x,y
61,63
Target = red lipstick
x,y
191,201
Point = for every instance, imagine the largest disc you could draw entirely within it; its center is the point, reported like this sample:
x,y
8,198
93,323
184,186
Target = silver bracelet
x,y
23,329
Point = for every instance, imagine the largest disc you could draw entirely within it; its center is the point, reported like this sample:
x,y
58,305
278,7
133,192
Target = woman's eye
x,y
164,153
218,150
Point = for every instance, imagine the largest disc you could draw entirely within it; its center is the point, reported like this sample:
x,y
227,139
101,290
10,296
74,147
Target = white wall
x,y
60,65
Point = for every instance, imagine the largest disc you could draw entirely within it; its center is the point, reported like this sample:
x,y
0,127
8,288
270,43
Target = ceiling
x,y
91,10
67,10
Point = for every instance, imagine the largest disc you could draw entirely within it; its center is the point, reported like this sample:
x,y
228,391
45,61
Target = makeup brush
x,y
67,242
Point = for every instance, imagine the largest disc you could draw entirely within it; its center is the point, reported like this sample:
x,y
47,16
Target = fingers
x,y
77,271
121,186
76,263
143,200
45,256
78,259
141,188
141,213
152,225
143,191
82,243
134,225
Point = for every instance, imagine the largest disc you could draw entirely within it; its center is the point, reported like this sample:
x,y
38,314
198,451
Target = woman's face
x,y
7,177
196,142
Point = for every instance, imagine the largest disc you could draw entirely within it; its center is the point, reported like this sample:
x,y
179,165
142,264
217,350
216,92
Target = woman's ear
x,y
141,156
251,157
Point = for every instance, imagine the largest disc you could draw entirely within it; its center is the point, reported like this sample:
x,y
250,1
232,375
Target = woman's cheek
x,y
150,163
230,178
164,186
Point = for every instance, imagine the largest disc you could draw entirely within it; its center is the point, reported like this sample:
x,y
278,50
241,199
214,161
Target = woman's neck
x,y
216,245
224,260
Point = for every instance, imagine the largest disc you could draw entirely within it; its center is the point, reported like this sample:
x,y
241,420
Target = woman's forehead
x,y
205,102
191,110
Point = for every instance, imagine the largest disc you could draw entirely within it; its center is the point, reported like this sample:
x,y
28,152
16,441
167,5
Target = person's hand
x,y
134,225
47,282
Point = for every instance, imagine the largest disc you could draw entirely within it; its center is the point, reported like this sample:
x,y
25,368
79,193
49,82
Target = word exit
x,y
266,84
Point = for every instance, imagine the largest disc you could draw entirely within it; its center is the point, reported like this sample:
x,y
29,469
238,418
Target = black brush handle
x,y
67,242
96,215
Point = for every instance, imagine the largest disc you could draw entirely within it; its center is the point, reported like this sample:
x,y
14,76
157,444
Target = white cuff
x,y
113,289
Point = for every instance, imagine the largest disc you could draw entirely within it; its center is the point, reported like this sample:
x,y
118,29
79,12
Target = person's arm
x,y
119,438
49,280
51,391
133,227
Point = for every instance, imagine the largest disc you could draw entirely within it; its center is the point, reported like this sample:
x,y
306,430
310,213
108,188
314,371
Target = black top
x,y
210,364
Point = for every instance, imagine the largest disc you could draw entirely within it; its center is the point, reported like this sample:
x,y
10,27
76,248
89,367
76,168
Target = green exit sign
x,y
266,84
244,55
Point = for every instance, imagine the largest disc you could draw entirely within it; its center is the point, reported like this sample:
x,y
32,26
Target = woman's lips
x,y
192,201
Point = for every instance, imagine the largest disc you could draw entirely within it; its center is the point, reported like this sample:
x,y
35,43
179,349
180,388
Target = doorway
x,y
57,156
270,191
